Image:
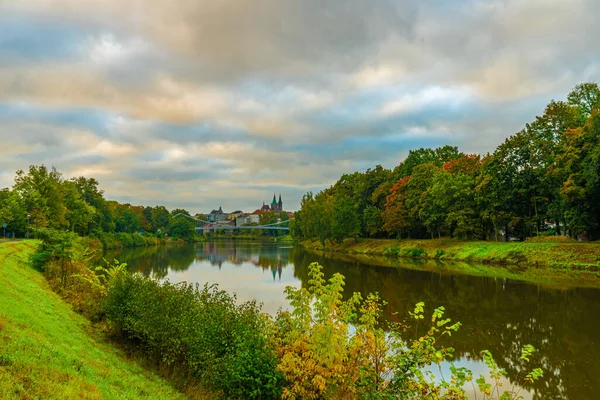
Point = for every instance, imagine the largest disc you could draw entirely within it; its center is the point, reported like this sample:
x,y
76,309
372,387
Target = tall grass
x,y
49,352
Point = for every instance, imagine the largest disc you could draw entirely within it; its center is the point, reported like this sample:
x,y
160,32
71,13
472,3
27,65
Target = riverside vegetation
x,y
209,345
49,352
554,252
542,181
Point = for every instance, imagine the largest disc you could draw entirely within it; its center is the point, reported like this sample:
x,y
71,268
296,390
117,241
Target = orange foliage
x,y
395,215
468,164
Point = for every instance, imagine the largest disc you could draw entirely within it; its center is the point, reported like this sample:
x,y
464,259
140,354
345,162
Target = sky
x,y
203,103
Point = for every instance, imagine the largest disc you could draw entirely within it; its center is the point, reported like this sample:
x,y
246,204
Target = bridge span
x,y
208,225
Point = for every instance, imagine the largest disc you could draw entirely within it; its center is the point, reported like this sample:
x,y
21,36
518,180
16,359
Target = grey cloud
x,y
236,72
149,173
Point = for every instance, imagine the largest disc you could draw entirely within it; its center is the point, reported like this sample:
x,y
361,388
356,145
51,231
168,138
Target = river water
x,y
497,314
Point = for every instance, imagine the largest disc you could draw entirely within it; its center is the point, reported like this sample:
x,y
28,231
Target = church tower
x,y
280,204
274,204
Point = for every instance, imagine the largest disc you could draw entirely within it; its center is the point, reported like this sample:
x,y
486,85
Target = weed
x,y
391,251
5,360
415,252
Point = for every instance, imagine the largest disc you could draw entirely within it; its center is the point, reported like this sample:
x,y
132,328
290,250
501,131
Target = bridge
x,y
216,225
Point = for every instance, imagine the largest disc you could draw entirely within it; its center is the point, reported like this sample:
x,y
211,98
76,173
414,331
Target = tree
x,y
182,227
13,212
453,202
437,157
102,221
160,219
372,220
395,216
79,213
345,221
268,218
41,192
581,189
585,96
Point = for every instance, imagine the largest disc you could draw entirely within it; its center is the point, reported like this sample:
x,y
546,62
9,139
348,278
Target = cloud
x,y
196,103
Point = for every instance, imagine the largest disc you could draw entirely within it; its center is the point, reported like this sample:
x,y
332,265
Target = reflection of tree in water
x,y
496,314
155,260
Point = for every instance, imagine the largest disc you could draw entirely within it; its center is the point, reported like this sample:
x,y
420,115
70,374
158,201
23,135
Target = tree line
x,y
543,180
42,198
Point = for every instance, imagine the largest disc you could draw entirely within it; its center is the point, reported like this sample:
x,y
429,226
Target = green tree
x,y
102,220
160,219
13,212
345,220
41,192
182,227
268,218
79,214
585,96
372,220
437,157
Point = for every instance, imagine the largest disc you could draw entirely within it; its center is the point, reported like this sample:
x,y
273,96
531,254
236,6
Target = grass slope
x,y
572,255
561,264
48,352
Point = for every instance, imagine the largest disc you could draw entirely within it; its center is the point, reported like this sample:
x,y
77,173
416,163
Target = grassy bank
x,y
121,240
561,255
48,351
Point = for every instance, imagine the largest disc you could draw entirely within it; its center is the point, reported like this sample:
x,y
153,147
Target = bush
x,y
391,251
121,240
415,252
221,344
439,253
516,257
549,239
63,258
322,358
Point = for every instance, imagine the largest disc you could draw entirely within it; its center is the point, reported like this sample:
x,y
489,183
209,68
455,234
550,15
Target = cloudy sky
x,y
201,103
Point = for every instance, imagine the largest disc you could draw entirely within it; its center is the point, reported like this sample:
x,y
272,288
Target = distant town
x,y
240,218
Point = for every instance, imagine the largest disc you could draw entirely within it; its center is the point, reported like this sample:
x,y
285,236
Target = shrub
x,y
415,252
391,251
439,253
220,343
123,240
322,358
549,239
64,259
516,257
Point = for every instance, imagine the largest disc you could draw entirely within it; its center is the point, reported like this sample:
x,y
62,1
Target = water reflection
x,y
497,314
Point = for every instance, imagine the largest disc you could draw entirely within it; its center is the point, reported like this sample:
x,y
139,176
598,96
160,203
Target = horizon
x,y
197,105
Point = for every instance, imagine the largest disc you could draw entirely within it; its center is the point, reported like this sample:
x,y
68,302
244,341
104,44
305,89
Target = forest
x,y
42,198
543,180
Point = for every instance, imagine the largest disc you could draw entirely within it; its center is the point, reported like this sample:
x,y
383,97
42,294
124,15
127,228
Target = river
x,y
497,314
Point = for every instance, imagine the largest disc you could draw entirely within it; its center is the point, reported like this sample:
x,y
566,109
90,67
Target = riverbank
x,y
274,239
49,351
560,255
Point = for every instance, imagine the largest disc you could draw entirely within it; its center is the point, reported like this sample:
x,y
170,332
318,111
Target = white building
x,y
247,219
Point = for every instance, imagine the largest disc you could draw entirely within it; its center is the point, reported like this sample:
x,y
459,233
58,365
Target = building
x,y
244,219
234,215
277,206
217,215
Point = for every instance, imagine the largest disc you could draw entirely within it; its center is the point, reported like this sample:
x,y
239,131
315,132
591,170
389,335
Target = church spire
x,y
274,199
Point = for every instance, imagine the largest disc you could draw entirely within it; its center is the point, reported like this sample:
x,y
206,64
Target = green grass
x,y
558,264
47,351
